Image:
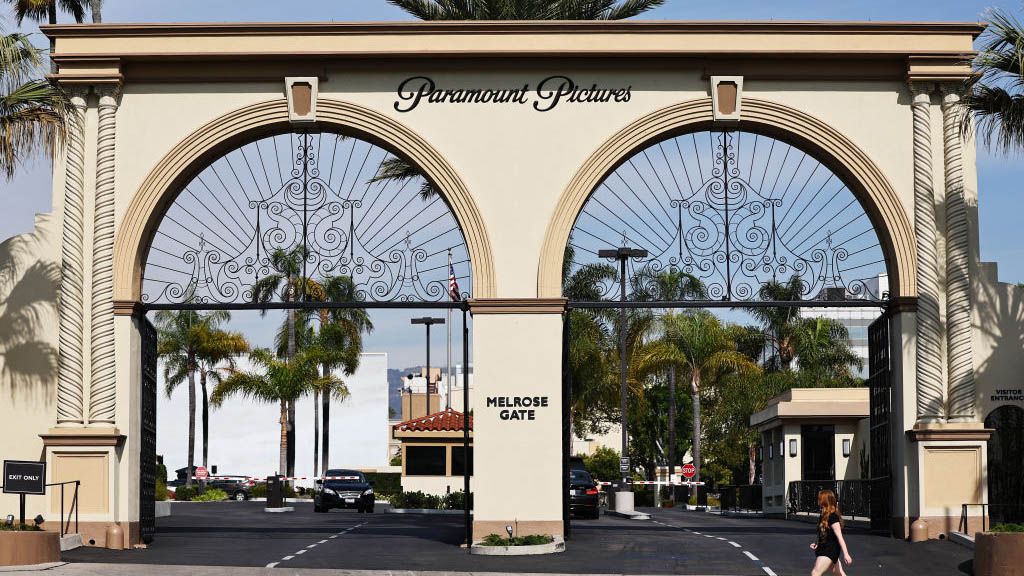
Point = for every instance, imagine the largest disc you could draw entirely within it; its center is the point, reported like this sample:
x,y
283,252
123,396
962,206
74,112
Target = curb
x,y
633,515
550,548
70,542
430,511
32,567
279,510
961,539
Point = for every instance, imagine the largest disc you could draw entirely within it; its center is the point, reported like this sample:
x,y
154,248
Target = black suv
x,y
352,492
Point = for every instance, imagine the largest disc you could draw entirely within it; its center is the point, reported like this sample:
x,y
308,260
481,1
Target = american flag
x,y
453,282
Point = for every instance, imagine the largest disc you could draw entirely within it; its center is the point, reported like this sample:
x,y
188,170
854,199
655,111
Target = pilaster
x,y
71,374
102,393
929,373
961,395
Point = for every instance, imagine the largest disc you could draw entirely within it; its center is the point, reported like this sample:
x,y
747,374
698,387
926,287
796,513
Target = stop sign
x,y
202,474
689,471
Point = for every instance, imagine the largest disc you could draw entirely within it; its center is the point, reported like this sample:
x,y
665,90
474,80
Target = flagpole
x,y
448,378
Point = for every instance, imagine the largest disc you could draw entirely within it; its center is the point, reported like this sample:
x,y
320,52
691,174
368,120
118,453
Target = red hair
x,y
828,505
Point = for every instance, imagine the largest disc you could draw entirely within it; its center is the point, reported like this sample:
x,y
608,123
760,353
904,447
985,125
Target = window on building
x,y
458,460
425,461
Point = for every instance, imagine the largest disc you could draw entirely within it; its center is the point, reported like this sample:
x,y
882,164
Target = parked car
x,y
583,495
355,492
236,487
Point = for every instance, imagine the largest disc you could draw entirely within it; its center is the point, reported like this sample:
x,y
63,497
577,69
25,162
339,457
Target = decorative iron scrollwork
x,y
735,210
312,193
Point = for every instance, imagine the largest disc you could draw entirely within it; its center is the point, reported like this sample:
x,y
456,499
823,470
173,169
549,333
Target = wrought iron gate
x,y
880,383
147,440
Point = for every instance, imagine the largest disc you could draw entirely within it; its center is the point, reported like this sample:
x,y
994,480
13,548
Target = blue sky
x,y
1000,199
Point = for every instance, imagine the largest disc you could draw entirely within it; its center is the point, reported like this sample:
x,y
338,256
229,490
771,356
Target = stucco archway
x,y
866,180
163,183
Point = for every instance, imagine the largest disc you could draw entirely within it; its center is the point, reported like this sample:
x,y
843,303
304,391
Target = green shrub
x,y
530,540
416,499
161,471
385,483
211,495
19,527
161,490
185,493
456,501
1008,528
603,464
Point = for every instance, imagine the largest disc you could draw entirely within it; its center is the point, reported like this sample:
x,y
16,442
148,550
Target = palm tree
x,y
96,8
279,381
178,346
34,114
994,99
398,169
525,9
702,348
215,347
780,321
28,297
822,350
289,285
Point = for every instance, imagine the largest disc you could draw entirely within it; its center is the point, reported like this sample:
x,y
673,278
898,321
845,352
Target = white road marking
x,y
719,537
287,558
708,536
751,556
333,536
322,542
768,571
300,552
735,544
272,564
697,533
311,546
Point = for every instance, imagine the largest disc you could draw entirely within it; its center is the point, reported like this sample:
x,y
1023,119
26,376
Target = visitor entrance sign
x,y
689,471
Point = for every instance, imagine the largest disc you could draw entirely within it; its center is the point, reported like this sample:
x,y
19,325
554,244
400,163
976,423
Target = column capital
x,y
921,90
108,93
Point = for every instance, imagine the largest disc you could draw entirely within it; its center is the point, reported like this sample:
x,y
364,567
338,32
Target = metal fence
x,y
741,498
853,496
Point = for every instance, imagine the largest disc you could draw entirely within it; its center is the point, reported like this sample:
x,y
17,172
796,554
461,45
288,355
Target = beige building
x,y
433,452
811,434
516,125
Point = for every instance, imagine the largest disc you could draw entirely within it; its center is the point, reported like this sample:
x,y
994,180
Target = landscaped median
x,y
421,503
495,545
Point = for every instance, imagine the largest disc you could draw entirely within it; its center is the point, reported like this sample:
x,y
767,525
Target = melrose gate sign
x,y
284,145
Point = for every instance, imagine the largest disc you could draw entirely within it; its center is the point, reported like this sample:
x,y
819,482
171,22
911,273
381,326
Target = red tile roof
x,y
445,421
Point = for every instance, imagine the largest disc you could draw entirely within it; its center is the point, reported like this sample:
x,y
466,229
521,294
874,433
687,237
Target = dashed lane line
x,y
311,546
764,568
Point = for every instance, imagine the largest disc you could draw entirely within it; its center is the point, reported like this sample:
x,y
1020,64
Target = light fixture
x,y
770,451
760,452
846,447
782,449
9,520
508,528
39,519
792,447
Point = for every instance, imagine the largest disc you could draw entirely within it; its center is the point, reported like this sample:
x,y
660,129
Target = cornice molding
x,y
950,434
517,305
83,437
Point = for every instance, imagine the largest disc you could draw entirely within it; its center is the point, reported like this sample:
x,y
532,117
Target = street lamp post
x,y
428,322
623,254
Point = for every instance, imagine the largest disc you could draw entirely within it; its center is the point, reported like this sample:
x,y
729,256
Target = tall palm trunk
x,y
51,11
191,421
751,463
326,400
695,390
206,418
316,433
95,7
290,468
672,427
283,460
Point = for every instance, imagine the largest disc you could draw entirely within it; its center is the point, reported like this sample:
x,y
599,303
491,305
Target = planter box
x,y
999,554
550,548
27,548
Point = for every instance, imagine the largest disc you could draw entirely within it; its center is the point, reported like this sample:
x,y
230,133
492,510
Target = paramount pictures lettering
x,y
548,94
517,407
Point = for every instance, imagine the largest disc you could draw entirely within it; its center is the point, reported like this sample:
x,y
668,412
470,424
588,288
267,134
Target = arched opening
x,y
319,246
1005,465
755,240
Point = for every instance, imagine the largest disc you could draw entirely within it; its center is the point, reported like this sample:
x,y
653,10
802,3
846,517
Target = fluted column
x,y
70,375
103,384
929,367
960,359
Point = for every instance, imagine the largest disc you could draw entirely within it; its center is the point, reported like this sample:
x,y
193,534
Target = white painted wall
x,y
245,435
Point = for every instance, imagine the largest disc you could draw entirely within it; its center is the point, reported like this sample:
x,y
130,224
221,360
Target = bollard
x,y
919,531
114,537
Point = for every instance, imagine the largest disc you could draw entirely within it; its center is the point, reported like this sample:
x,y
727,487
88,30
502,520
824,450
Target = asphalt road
x,y
674,542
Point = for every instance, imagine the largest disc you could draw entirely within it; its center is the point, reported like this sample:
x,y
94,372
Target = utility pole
x,y
624,499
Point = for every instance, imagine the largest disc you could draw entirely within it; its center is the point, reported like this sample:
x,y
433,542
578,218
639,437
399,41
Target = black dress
x,y
828,543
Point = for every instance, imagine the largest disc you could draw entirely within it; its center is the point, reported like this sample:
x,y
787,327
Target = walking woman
x,y
830,538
